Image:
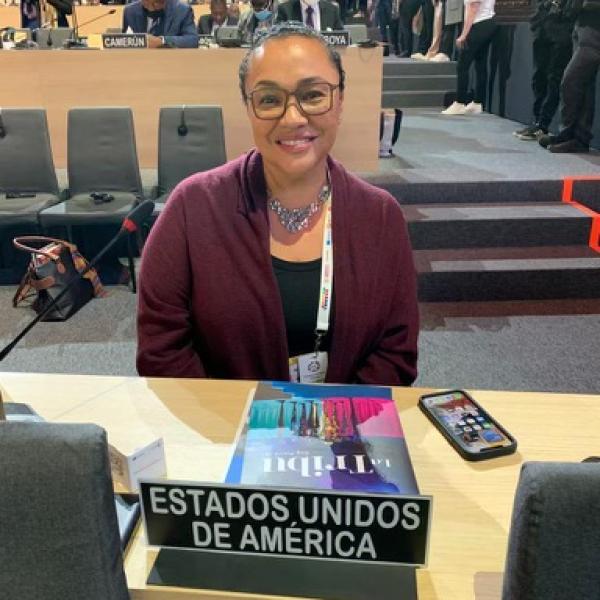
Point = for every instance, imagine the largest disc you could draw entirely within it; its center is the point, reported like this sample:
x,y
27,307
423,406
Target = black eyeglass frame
x,y
285,105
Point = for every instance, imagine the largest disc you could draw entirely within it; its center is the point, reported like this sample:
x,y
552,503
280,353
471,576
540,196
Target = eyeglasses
x,y
270,103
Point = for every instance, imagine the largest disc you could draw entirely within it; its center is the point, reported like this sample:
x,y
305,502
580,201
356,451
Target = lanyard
x,y
326,287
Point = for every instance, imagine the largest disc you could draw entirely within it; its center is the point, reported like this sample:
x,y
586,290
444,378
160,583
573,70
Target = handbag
x,y
52,267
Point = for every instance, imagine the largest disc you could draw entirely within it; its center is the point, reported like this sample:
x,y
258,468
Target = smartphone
x,y
473,433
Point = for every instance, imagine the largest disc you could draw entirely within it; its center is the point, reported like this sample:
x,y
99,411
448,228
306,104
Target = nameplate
x,y
325,525
337,38
110,41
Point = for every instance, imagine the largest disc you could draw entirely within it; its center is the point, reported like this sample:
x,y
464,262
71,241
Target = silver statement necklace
x,y
297,219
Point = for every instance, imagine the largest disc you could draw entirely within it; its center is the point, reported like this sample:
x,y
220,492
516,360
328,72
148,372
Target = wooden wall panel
x,y
145,80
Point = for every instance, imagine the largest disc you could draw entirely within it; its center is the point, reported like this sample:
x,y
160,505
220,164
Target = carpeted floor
x,y
438,148
550,346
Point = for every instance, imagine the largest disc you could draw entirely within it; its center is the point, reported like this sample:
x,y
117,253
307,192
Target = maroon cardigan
x,y
209,305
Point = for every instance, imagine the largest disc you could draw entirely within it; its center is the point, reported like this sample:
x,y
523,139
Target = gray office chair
x,y
190,139
27,174
358,33
554,543
59,532
101,159
51,39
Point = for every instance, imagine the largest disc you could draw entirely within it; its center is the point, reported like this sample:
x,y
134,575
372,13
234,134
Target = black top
x,y
299,284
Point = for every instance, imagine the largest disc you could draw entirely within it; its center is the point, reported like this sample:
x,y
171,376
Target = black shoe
x,y
530,134
404,54
570,146
547,140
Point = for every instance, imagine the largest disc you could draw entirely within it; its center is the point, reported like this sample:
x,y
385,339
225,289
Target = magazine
x,y
333,437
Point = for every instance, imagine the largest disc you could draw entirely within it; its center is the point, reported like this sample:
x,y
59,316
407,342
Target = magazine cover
x,y
335,437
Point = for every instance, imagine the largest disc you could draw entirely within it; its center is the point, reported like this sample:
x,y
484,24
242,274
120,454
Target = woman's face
x,y
294,144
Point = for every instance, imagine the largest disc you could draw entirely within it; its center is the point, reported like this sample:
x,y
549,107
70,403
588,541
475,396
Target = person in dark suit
x,y
219,15
318,14
168,22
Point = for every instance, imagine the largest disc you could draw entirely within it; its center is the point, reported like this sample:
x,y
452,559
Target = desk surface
x,y
145,80
472,502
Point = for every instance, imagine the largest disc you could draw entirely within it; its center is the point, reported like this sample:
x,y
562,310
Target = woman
x,y
479,28
236,273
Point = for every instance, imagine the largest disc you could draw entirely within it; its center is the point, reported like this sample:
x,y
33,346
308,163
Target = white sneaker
x,y
440,57
418,56
456,108
474,108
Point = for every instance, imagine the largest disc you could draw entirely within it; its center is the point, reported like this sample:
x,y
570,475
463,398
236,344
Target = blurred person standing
x,y
578,87
385,21
479,28
409,9
552,27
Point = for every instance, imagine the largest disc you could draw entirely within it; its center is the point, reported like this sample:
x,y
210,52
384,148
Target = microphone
x,y
182,130
131,224
75,41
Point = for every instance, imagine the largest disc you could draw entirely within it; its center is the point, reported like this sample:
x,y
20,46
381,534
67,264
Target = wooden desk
x,y
472,502
10,16
145,80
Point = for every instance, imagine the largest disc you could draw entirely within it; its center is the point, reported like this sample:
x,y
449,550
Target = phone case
x,y
474,456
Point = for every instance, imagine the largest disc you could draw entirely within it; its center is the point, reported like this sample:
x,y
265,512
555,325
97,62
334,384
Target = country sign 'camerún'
x,y
120,41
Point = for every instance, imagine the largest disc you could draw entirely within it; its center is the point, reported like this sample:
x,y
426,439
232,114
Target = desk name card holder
x,y
286,541
123,41
337,37
128,467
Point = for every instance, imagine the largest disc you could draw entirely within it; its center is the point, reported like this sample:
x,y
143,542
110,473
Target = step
x,y
394,67
413,99
483,274
401,83
496,225
472,192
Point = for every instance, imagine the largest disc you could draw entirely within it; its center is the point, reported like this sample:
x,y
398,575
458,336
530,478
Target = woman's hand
x,y
460,41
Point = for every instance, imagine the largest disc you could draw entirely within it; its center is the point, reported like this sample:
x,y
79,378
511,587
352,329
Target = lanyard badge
x,y
312,367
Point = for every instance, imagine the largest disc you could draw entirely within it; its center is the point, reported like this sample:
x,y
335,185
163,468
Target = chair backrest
x,y
52,38
358,33
58,525
554,542
190,139
26,163
101,151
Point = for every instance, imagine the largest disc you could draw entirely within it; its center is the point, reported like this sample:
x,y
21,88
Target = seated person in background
x,y
259,17
208,24
321,15
167,22
281,261
30,14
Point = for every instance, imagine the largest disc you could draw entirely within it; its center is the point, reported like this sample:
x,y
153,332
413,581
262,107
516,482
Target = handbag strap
x,y
21,243
24,289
